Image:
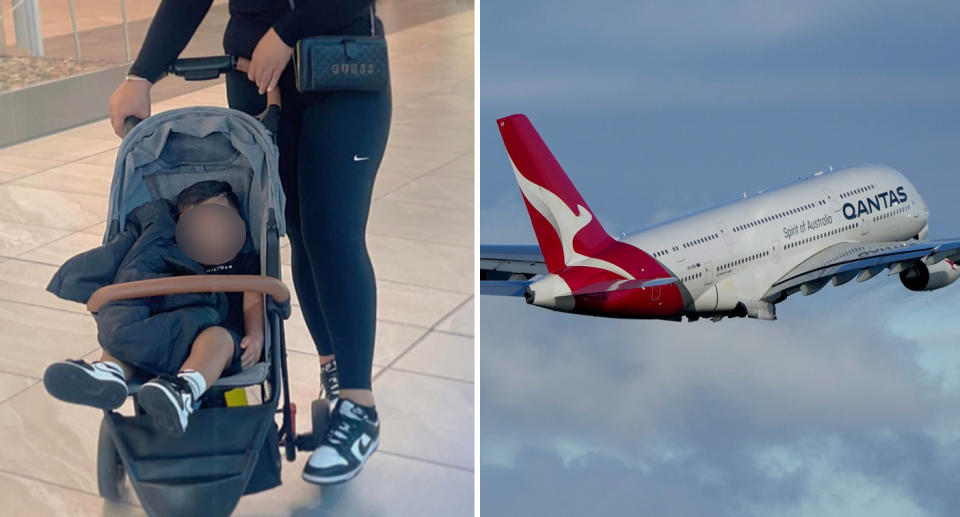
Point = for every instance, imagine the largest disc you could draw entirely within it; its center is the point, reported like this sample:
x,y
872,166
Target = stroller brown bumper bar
x,y
188,284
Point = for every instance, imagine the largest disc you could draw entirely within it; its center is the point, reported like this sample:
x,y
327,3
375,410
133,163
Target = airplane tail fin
x,y
566,228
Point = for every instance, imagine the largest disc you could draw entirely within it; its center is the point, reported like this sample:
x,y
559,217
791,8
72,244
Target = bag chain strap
x,y
373,30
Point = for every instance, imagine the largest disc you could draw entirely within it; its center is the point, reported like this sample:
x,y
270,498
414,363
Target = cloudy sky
x,y
850,403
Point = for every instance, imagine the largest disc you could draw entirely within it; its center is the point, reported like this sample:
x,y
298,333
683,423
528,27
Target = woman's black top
x,y
177,20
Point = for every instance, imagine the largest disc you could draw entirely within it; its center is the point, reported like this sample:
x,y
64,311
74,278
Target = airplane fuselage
x,y
732,253
738,259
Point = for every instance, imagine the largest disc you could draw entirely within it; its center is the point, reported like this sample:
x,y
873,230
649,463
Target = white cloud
x,y
724,400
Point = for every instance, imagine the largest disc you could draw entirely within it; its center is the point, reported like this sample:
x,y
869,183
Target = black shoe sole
x,y
71,383
158,405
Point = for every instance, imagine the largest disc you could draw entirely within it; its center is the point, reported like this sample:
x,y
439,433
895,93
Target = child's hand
x,y
252,345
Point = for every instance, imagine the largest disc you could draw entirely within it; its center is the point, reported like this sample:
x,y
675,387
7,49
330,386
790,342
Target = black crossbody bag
x,y
337,63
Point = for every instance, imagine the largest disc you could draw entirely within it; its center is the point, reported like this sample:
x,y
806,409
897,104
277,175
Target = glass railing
x,y
44,40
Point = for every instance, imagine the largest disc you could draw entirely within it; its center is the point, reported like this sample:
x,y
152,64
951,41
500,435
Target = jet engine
x,y
923,277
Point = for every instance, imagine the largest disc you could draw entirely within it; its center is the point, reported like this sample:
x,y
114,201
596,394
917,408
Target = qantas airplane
x,y
738,259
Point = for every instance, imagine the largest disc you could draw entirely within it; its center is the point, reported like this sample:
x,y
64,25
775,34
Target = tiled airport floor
x,y
53,205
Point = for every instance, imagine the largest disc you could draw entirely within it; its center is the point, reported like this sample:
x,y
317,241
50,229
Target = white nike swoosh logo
x,y
360,158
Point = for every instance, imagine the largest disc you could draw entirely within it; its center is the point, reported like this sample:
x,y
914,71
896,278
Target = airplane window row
x,y
891,213
691,277
778,215
701,240
858,190
821,235
744,260
660,253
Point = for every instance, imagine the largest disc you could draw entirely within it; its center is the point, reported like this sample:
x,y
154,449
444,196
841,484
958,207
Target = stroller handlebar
x,y
268,285
211,67
203,68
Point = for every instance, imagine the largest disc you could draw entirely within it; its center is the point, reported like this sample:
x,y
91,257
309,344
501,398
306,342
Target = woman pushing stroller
x,y
331,145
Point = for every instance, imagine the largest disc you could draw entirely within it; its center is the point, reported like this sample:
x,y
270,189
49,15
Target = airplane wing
x,y
845,261
507,270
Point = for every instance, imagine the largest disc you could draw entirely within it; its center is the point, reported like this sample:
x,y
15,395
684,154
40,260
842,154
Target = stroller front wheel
x,y
110,471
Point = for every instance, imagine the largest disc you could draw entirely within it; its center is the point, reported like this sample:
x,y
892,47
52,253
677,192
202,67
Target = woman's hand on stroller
x,y
252,345
131,98
270,57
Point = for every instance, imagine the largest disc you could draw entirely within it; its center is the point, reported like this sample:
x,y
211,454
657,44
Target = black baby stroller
x,y
227,451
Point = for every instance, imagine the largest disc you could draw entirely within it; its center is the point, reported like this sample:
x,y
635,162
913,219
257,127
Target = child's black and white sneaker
x,y
353,435
330,382
169,400
98,384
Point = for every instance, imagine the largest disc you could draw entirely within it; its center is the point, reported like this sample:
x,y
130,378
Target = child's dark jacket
x,y
154,334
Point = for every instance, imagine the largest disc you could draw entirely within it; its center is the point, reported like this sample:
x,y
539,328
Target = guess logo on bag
x,y
352,68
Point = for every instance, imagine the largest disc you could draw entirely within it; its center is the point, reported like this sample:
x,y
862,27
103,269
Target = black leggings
x,y
331,145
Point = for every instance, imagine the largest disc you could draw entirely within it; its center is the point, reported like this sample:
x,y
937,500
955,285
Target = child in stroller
x,y
210,230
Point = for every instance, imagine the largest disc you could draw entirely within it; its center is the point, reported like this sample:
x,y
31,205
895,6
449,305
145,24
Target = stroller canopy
x,y
168,152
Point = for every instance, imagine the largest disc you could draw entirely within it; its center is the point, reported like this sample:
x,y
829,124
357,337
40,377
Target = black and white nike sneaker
x,y
169,400
330,382
353,435
98,384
